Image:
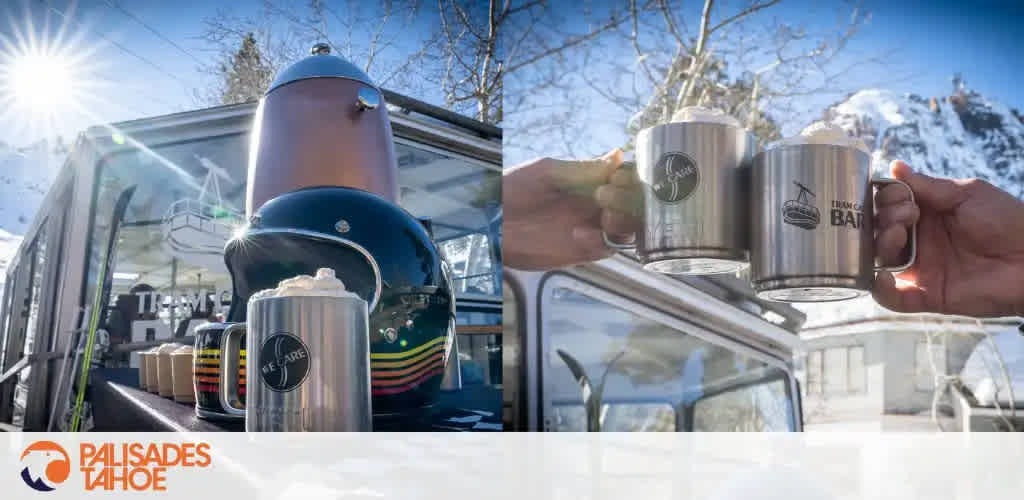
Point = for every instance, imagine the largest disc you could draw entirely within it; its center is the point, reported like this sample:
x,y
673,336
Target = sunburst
x,y
51,77
48,76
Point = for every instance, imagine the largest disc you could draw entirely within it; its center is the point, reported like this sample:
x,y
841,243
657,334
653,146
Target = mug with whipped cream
x,y
694,175
308,358
812,218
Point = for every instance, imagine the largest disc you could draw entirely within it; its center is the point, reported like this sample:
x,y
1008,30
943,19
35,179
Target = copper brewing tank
x,y
322,122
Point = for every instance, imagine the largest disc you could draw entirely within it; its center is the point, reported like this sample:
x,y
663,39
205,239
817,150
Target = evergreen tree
x,y
246,74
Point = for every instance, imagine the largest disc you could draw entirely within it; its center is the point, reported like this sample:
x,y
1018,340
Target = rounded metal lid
x,y
320,64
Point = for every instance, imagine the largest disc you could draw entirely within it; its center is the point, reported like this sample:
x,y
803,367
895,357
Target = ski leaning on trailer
x,y
100,300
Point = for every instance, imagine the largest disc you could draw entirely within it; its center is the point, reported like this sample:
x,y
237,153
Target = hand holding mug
x,y
971,247
555,211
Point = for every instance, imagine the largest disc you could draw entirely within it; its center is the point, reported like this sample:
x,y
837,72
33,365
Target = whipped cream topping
x,y
700,114
825,133
169,348
183,350
325,284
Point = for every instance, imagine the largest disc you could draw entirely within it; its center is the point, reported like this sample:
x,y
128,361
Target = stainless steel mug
x,y
309,364
694,177
812,224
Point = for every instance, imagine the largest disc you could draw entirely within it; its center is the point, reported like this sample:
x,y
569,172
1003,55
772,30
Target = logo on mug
x,y
675,177
800,212
284,362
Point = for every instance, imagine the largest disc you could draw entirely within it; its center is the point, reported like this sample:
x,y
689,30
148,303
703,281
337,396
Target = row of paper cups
x,y
167,370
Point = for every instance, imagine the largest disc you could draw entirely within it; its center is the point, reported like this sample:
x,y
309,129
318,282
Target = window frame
x,y
560,279
104,161
20,310
495,237
5,313
847,391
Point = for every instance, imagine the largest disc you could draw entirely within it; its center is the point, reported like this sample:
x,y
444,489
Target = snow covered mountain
x,y
963,135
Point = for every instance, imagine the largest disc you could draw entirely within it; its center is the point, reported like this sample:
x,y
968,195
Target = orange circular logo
x,y
46,465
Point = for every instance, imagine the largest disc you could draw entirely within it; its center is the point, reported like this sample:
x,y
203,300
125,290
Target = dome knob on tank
x,y
321,123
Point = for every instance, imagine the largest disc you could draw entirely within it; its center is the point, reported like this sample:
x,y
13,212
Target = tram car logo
x,y
46,465
800,212
195,230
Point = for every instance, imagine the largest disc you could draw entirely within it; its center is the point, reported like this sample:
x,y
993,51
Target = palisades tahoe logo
x,y
46,465
111,466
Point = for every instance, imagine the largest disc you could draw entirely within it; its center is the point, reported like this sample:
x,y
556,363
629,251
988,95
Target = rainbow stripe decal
x,y
397,372
206,368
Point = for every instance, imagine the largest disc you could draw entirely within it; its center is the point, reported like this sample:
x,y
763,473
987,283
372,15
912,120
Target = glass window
x,y
169,276
462,199
857,374
759,407
567,418
480,345
814,372
37,260
836,370
924,377
649,371
618,417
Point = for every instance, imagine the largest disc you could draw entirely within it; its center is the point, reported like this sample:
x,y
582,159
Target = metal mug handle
x,y
913,229
229,355
607,241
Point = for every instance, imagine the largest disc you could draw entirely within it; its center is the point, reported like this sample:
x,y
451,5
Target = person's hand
x,y
970,248
555,211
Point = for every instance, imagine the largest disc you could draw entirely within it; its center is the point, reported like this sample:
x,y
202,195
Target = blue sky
x,y
981,39
123,86
129,87
933,40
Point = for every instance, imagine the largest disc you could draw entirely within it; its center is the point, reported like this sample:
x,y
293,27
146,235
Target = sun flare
x,y
48,79
41,82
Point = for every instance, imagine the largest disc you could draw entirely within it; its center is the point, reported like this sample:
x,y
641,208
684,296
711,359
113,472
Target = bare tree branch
x,y
567,44
396,42
743,13
613,74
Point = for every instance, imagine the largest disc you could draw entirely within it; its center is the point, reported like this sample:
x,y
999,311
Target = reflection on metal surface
x,y
694,209
814,243
367,99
